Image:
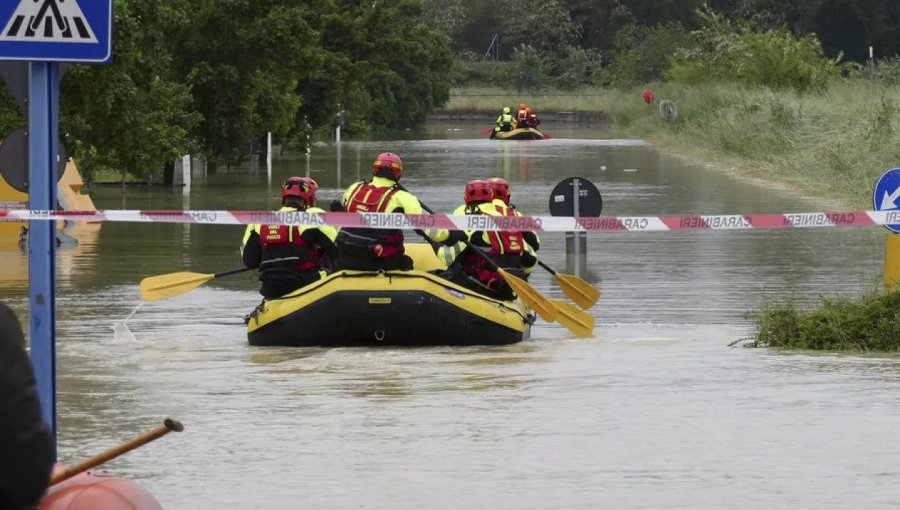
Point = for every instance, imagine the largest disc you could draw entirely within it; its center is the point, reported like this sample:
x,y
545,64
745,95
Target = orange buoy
x,y
93,490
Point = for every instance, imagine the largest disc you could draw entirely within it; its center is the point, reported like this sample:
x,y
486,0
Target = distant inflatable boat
x,y
518,134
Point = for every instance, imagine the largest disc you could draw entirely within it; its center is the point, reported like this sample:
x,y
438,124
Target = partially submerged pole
x,y
576,245
43,129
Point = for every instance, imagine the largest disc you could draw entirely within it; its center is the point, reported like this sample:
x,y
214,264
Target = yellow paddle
x,y
577,321
154,288
577,289
528,294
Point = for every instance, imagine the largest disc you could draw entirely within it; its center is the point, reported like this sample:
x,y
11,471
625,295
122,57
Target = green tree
x,y
384,66
548,29
642,53
448,16
724,51
135,113
243,60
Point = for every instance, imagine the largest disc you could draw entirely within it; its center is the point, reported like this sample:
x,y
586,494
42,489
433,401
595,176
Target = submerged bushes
x,y
871,323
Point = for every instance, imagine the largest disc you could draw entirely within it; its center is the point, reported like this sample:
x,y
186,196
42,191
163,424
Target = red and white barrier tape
x,y
478,222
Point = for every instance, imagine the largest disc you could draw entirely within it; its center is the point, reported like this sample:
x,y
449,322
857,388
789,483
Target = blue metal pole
x,y
43,129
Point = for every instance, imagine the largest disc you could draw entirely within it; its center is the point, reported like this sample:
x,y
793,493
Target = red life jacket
x,y
285,253
371,242
505,250
522,117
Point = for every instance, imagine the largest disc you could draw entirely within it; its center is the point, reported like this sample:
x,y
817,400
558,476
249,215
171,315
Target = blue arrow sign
x,y
56,30
887,195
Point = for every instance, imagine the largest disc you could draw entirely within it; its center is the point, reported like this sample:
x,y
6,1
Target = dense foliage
x,y
842,324
846,27
573,43
209,77
726,51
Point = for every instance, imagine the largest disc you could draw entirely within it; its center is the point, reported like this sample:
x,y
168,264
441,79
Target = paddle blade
x,y
578,290
154,288
485,131
547,137
577,321
531,297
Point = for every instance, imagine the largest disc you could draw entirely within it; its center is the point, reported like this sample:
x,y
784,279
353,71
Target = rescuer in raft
x,y
522,116
370,249
505,122
533,120
525,117
26,443
289,258
505,249
502,194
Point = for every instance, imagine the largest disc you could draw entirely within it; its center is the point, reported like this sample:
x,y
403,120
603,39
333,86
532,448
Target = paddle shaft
x,y
545,266
233,271
168,426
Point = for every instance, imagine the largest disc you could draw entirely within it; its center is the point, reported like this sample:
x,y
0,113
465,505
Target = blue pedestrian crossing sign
x,y
887,195
56,30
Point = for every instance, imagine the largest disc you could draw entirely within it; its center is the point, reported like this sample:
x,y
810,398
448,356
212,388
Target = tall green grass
x,y
834,143
871,323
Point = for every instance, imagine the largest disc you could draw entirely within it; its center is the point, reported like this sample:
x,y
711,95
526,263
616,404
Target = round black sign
x,y
14,160
562,201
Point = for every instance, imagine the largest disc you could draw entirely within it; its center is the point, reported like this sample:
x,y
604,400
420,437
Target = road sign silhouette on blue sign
x,y
887,195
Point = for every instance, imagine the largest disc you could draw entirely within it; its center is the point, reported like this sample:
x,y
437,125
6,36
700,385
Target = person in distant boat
x,y
26,442
290,257
370,249
505,249
533,120
505,122
522,120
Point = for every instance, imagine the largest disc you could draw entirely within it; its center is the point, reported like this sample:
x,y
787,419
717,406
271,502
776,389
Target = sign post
x,y
45,33
578,247
576,196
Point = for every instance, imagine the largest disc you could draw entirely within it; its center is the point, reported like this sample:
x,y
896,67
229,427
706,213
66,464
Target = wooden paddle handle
x,y
168,425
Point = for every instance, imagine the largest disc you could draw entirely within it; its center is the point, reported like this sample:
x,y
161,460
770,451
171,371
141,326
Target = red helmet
x,y
501,188
478,191
389,165
300,187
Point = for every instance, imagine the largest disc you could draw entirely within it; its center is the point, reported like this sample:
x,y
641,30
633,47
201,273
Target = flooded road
x,y
655,411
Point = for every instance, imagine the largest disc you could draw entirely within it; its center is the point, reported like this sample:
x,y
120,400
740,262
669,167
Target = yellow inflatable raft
x,y
397,308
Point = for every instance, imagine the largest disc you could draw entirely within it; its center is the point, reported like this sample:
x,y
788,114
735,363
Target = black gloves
x,y
454,237
336,206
